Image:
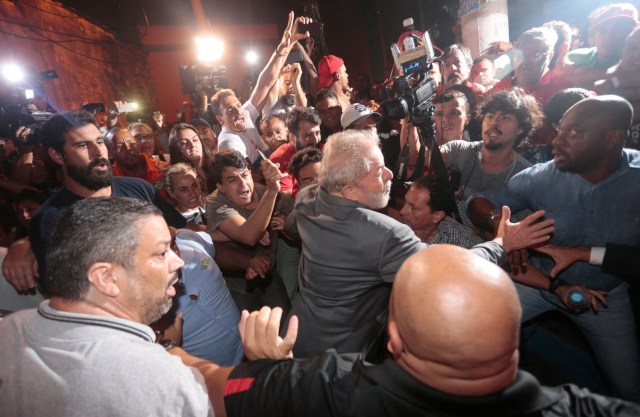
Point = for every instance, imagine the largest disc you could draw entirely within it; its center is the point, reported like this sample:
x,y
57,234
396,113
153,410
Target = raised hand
x,y
260,330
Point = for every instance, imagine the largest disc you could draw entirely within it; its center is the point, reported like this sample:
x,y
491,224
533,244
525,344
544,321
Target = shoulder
x,y
282,154
253,111
522,162
131,187
459,145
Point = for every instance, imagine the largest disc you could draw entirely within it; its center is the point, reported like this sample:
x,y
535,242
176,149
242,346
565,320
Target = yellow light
x,y
209,49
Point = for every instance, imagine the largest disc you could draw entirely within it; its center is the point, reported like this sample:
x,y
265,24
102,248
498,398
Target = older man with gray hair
x,y
351,253
532,54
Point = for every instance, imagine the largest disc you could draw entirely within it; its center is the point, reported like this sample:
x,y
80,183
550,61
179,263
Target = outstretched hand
x,y
259,331
564,256
532,230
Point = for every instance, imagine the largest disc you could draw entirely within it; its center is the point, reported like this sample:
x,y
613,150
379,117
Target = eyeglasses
x,y
145,138
533,57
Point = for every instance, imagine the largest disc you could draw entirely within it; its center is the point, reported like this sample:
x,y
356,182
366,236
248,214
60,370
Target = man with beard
x,y
590,190
508,118
130,162
88,349
75,143
350,252
457,64
303,125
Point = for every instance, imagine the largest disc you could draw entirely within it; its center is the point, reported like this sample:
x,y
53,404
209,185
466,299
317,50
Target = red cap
x,y
617,11
328,66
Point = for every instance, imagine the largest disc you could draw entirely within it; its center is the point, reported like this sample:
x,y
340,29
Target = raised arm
x,y
311,69
270,73
249,230
296,72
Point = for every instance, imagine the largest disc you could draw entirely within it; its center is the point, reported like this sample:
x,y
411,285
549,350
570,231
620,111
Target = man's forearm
x,y
532,277
215,377
230,259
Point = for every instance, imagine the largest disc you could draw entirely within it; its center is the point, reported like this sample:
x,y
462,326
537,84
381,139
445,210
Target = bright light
x,y
28,94
209,48
13,73
251,57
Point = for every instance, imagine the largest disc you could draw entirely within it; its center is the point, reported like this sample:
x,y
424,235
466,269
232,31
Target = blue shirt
x,y
585,214
210,328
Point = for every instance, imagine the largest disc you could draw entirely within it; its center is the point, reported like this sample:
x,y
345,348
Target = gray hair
x,y
346,157
542,34
180,168
97,229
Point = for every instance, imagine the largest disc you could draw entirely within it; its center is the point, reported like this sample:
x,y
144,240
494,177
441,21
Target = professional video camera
x,y
200,78
411,93
13,116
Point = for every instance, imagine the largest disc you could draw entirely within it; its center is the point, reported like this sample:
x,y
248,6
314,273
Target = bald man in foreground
x,y
453,327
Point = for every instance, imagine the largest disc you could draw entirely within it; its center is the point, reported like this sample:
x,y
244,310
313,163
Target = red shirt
x,y
282,156
154,172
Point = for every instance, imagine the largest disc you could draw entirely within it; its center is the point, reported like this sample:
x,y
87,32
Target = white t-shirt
x,y
246,142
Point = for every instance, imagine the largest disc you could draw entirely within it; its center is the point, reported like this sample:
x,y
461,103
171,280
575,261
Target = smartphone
x,y
315,29
128,107
261,157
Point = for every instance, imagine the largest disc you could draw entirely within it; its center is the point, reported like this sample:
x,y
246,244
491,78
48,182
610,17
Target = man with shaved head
x,y
454,329
590,189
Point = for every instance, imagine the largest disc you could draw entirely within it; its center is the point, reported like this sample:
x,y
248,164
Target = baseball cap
x,y
328,66
617,11
355,113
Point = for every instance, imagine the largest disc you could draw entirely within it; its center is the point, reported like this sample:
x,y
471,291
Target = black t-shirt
x,y
342,385
43,224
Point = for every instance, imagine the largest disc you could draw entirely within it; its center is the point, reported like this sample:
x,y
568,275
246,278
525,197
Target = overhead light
x,y
13,73
251,57
209,49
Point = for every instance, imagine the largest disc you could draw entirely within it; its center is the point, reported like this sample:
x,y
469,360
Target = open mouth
x,y
493,133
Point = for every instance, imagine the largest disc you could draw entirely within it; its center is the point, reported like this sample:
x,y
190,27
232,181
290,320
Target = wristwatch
x,y
167,344
555,284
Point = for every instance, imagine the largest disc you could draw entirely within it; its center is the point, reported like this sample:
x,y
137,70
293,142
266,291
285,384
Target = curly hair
x,y
517,102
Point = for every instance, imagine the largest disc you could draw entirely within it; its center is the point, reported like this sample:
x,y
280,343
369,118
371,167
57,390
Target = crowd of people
x,y
402,266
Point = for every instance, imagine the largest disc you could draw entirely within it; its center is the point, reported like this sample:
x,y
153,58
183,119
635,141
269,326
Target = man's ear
x,y
615,138
105,279
219,188
55,156
438,216
347,191
292,137
395,344
220,120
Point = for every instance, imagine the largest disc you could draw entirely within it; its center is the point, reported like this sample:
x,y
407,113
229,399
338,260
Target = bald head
x,y
610,111
454,321
591,136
